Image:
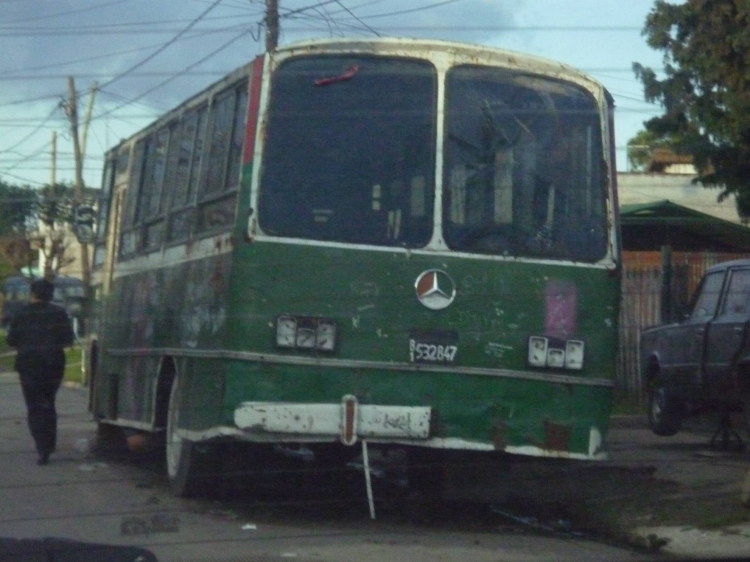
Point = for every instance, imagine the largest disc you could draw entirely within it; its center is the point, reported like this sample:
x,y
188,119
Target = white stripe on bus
x,y
360,364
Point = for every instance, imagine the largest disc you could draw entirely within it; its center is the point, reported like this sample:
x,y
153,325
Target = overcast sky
x,y
44,41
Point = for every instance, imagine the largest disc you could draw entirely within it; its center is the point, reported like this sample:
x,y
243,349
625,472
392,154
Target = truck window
x,y
738,293
710,291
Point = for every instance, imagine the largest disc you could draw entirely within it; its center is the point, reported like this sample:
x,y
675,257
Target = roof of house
x,y
649,226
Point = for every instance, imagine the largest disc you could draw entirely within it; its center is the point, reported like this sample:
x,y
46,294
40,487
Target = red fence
x,y
641,304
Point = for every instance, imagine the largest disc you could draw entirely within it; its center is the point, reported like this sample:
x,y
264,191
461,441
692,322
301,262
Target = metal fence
x,y
649,299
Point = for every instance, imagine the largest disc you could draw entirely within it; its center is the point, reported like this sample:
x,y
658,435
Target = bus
x,y
387,242
68,294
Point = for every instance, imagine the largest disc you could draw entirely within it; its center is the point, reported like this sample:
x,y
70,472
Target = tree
x,y
55,212
641,146
17,211
705,88
38,220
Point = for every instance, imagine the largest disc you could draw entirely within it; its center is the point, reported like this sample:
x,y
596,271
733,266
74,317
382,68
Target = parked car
x,y
701,361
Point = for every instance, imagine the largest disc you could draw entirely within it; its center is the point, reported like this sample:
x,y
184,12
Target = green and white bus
x,y
393,242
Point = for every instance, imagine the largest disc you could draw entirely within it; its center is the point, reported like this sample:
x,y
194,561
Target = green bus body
x,y
211,309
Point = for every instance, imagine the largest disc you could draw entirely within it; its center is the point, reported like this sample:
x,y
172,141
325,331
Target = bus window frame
x,y
109,173
195,201
129,219
228,190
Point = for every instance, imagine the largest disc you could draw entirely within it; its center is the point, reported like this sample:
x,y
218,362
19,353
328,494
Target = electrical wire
x,y
197,35
188,68
27,158
68,13
413,10
165,46
34,132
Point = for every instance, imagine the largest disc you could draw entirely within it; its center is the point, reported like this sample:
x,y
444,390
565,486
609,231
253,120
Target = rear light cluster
x,y
306,333
554,353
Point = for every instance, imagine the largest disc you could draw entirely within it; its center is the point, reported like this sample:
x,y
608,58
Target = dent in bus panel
x,y
523,166
350,161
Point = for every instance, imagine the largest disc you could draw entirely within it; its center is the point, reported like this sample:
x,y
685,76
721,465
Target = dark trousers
x,y
42,418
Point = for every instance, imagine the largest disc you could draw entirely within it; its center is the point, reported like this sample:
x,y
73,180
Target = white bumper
x,y
348,420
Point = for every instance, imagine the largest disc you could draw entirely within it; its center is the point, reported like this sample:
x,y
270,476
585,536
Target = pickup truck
x,y
701,362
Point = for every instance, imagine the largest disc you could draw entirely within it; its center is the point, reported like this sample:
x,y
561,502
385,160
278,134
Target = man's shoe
x,y
43,459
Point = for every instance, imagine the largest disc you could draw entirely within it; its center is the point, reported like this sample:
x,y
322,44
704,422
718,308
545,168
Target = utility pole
x,y
87,118
72,110
272,25
53,160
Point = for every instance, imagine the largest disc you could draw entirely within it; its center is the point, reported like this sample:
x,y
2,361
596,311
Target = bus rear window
x,y
524,173
349,153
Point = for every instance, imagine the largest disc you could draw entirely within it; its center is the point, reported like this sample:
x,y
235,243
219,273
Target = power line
x,y
27,180
196,35
358,19
109,26
103,31
27,158
82,76
30,100
35,131
163,47
188,68
412,10
68,13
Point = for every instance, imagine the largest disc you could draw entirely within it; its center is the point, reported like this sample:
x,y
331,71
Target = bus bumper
x,y
348,420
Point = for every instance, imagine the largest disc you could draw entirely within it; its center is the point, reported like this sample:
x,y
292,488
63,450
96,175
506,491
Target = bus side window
x,y
129,237
218,197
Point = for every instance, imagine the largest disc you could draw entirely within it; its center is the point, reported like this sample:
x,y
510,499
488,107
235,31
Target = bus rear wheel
x,y
191,467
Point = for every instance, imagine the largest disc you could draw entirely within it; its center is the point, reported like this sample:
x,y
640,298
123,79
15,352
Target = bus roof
x,y
480,53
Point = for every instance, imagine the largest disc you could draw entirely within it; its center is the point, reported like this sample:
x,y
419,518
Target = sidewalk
x,y
695,509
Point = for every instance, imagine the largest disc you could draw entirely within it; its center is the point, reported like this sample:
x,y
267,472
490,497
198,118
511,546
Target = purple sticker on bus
x,y
561,308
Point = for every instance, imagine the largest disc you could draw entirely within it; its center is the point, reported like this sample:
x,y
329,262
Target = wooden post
x,y
73,116
272,25
666,284
53,160
87,119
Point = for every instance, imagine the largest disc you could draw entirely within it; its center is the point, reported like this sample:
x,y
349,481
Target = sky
x,y
150,55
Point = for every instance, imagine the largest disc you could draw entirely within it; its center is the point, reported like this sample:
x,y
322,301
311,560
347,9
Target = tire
x,y
745,398
192,468
664,415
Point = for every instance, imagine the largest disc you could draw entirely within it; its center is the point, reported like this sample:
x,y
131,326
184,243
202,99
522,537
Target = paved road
x,y
79,497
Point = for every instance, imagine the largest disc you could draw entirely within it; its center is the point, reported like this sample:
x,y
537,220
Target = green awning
x,y
649,226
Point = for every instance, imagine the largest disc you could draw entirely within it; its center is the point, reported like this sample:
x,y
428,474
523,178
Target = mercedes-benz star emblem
x,y
435,289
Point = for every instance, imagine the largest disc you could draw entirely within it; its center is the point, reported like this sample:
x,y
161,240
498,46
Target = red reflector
x,y
349,420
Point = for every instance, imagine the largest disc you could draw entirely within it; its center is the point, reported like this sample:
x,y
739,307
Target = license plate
x,y
433,346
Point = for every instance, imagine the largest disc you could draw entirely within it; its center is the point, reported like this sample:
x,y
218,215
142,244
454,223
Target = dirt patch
x,y
648,482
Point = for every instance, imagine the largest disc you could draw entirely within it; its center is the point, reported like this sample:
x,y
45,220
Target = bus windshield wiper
x,y
348,75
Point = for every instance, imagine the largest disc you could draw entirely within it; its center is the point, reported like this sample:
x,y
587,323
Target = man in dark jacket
x,y
40,331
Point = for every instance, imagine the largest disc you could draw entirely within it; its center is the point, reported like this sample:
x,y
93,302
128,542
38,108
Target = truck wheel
x,y
746,410
664,416
191,466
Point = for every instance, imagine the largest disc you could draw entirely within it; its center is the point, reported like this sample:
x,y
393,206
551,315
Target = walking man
x,y
39,332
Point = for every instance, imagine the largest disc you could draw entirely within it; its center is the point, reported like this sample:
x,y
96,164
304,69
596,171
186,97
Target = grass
x,y
72,364
4,344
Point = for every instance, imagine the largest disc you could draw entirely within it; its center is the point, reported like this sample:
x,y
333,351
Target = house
x,y
666,249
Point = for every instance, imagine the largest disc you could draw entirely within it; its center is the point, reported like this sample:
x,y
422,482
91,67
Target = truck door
x,y
725,335
687,341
